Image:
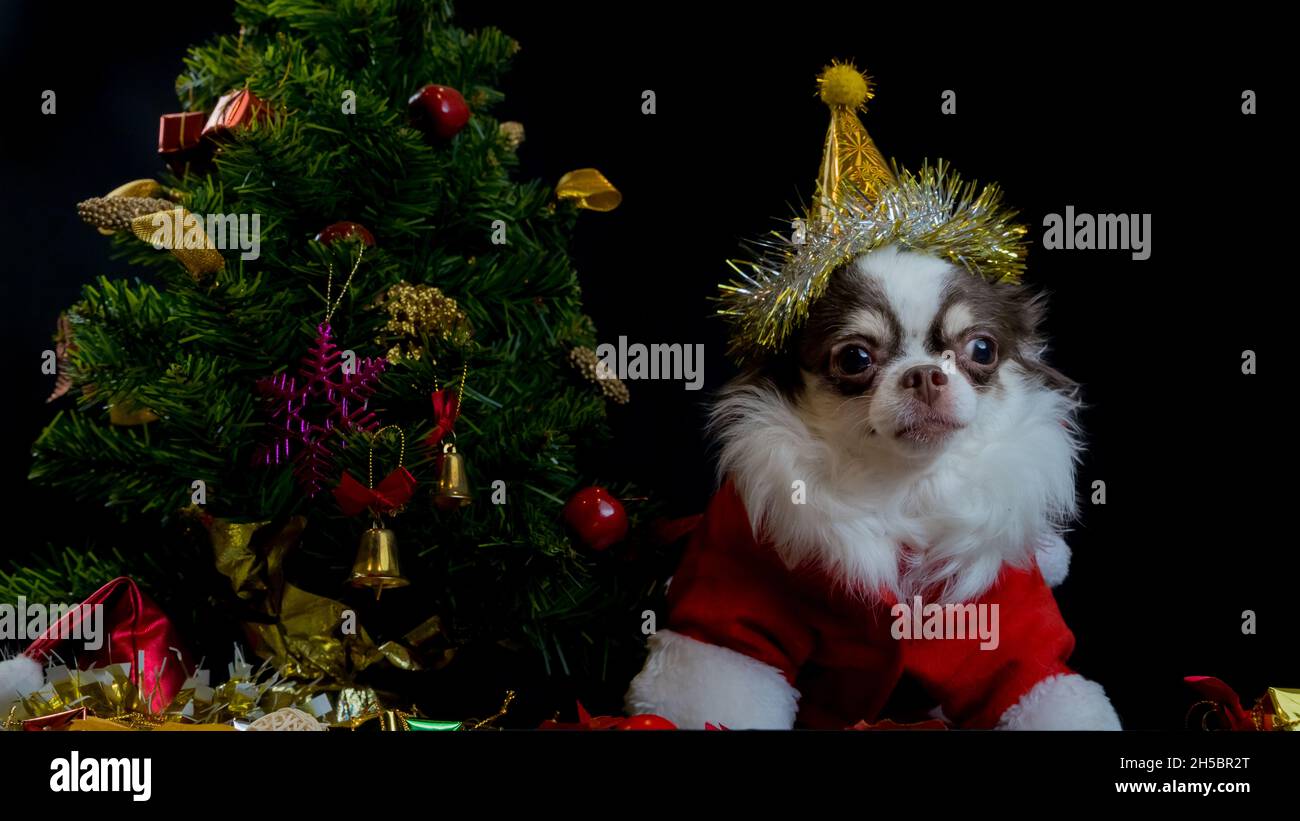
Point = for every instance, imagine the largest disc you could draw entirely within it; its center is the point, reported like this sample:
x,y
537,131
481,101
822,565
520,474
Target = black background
x,y
1096,109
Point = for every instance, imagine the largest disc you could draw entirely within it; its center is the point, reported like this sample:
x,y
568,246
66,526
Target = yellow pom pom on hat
x,y
843,84
862,203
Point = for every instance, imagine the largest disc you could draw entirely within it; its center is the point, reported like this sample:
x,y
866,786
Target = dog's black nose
x,y
925,380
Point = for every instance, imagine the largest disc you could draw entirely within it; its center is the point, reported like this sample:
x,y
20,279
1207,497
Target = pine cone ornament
x,y
116,213
597,372
63,345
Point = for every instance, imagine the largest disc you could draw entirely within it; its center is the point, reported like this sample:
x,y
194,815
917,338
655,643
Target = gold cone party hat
x,y
850,157
861,204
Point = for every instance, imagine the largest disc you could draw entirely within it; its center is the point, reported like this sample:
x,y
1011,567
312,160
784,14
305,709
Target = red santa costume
x,y
759,634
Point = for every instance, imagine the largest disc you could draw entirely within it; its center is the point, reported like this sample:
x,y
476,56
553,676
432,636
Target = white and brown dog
x,y
910,441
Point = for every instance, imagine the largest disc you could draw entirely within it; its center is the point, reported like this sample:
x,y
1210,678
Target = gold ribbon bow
x,y
183,234
587,188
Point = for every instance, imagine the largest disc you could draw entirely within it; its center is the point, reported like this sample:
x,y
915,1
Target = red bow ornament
x,y
393,493
446,407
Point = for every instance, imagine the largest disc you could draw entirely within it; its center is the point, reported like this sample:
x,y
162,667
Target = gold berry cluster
x,y
416,311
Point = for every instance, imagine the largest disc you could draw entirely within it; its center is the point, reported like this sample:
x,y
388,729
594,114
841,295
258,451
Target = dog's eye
x,y
852,360
982,350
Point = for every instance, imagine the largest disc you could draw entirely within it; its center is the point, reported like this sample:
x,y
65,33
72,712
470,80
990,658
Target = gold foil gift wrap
x,y
302,632
1286,708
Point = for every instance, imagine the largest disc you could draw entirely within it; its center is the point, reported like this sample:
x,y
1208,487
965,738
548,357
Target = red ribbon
x,y
1229,707
445,411
393,492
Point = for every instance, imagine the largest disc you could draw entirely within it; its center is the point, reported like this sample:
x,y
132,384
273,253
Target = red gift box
x,y
234,110
177,132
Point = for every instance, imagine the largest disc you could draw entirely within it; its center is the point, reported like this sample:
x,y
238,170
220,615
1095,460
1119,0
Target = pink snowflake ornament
x,y
323,400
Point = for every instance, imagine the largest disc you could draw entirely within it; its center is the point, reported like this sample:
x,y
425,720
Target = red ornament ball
x,y
597,516
646,721
346,230
439,110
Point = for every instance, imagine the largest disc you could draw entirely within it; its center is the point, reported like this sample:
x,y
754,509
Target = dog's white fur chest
x,y
1001,487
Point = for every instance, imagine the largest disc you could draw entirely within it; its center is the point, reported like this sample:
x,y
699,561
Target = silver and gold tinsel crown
x,y
861,205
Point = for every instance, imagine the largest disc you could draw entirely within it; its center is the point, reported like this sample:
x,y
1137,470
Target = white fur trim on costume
x,y
692,683
1053,556
1064,702
19,676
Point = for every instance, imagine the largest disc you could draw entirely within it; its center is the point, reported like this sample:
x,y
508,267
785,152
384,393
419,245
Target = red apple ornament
x,y
597,516
439,111
346,230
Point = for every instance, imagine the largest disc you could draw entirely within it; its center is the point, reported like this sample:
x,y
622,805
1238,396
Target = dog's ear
x,y
1029,310
782,369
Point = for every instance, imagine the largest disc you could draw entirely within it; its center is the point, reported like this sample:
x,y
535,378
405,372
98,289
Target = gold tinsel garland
x,y
416,311
933,210
598,373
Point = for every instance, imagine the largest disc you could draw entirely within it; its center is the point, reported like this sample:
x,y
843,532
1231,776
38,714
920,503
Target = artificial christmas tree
x,y
460,278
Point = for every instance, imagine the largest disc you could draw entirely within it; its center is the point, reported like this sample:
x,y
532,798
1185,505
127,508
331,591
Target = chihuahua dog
x,y
908,443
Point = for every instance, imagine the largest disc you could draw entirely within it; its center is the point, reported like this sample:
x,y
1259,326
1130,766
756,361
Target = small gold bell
x,y
376,565
452,490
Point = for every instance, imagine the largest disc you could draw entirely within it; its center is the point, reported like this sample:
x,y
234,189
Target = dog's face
x,y
905,353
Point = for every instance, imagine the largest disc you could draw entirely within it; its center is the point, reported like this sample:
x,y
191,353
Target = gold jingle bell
x,y
452,490
376,565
